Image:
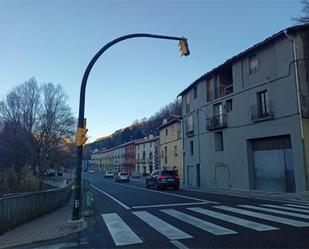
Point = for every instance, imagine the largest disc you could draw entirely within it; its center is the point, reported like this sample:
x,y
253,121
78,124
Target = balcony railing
x,y
216,122
140,161
219,92
260,114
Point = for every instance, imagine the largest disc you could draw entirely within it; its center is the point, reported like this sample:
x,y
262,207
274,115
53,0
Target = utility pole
x,y
81,128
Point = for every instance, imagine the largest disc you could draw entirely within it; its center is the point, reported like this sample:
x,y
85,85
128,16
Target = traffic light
x,y
81,135
183,47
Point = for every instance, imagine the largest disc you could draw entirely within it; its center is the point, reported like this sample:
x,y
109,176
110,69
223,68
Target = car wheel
x,y
147,186
176,188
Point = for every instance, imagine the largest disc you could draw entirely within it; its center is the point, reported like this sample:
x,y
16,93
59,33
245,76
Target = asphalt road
x,y
127,215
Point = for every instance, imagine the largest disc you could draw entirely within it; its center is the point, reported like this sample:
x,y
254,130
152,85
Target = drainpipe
x,y
199,147
298,101
296,81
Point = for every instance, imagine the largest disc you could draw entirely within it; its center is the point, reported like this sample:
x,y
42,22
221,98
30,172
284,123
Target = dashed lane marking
x,y
269,217
121,233
169,231
201,224
235,220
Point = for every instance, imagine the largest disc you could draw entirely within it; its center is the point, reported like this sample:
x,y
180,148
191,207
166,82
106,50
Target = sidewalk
x,y
53,225
301,196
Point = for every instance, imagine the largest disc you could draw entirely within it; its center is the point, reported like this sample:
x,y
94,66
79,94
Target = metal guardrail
x,y
19,209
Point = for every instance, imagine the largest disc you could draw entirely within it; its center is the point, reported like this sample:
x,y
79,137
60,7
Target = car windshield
x,y
123,174
168,173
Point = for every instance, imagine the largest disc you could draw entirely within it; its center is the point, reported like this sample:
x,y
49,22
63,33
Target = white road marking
x,y
204,225
295,205
172,204
169,231
58,245
269,217
113,198
287,208
178,244
235,220
304,216
121,233
165,193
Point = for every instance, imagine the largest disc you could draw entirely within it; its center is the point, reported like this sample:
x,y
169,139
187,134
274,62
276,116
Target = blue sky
x,y
55,40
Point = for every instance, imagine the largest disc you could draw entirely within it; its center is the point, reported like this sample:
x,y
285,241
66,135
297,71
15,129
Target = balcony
x,y
259,113
216,122
140,161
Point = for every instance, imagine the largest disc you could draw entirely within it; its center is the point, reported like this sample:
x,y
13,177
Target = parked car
x,y
108,174
136,174
91,171
122,177
160,179
50,172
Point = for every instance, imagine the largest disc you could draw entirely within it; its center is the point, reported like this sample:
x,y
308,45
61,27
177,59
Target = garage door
x,y
273,164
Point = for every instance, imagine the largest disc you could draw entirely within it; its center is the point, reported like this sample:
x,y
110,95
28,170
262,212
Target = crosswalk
x,y
209,219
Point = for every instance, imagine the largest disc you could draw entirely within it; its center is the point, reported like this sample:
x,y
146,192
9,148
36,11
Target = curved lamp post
x,y
81,130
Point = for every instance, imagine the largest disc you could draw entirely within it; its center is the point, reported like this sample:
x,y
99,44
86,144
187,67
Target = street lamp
x,y
81,128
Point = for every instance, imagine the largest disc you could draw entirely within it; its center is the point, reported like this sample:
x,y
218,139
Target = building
x,y
129,157
246,122
171,144
147,154
103,160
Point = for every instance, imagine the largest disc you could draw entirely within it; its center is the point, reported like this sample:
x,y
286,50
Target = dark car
x,y
160,179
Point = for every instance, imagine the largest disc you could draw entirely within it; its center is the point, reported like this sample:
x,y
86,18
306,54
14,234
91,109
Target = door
x,y
273,164
191,180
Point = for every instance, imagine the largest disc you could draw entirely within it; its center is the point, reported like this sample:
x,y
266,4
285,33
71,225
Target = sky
x,y
54,41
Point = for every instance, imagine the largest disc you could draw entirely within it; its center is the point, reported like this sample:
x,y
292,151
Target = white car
x,y
122,177
108,174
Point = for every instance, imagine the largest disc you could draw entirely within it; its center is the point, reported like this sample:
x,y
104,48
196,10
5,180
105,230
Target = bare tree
x,y
36,128
56,123
305,11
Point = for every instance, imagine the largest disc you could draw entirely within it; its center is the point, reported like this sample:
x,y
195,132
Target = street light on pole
x,y
81,128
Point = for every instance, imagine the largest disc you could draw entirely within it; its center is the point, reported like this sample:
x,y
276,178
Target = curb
x,y
299,199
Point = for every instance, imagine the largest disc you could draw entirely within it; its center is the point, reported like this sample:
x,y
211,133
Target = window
x,y
144,155
262,104
253,64
191,148
228,105
165,154
150,155
210,89
150,144
166,132
189,124
188,100
144,146
162,154
195,92
219,141
175,150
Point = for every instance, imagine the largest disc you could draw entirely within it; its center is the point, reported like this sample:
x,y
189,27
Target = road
x,y
127,215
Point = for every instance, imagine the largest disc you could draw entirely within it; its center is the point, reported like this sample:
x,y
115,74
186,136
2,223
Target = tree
x,y
57,123
305,11
36,129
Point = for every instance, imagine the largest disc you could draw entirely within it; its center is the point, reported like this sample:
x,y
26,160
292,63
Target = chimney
x,y
164,121
150,136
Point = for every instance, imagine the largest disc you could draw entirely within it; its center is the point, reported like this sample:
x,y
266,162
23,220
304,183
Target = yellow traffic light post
x,y
183,47
81,128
